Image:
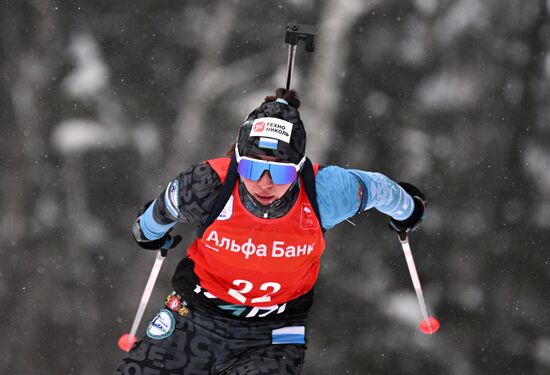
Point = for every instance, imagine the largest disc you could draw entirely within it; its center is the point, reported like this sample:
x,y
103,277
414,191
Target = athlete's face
x,y
265,190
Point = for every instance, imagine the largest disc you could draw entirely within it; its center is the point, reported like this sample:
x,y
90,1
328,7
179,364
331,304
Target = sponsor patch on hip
x,y
289,335
162,325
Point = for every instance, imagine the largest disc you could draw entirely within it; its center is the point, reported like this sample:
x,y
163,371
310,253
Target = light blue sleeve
x,y
341,193
151,229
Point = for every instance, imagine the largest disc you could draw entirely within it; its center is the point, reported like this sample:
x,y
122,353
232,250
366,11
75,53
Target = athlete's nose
x,y
265,180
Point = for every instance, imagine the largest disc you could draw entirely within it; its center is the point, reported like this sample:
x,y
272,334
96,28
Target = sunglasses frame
x,y
298,166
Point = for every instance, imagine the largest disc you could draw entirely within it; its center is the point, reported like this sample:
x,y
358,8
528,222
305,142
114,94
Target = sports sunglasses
x,y
253,169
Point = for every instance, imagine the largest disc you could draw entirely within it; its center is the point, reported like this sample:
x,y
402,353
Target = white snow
x,y
537,161
377,103
462,15
147,139
417,146
427,7
542,349
81,134
449,89
404,308
90,75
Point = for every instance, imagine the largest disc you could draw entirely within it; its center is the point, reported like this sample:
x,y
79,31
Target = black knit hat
x,y
264,134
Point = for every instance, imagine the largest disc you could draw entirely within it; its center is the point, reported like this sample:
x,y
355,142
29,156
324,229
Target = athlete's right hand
x,y
166,242
163,243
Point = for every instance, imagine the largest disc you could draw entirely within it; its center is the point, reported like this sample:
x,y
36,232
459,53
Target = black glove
x,y
418,214
164,243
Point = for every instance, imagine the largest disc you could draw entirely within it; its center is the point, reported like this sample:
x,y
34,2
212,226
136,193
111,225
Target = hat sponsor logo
x,y
259,126
270,127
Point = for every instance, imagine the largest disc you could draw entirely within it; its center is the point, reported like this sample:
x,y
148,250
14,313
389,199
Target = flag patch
x,y
289,335
268,143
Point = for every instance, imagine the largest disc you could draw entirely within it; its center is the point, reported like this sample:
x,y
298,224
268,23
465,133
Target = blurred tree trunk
x,y
199,87
517,238
517,190
31,43
324,85
30,69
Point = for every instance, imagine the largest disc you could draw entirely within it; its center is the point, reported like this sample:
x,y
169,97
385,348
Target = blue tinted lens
x,y
282,174
253,170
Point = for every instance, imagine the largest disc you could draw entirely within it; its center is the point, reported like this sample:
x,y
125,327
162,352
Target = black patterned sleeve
x,y
189,197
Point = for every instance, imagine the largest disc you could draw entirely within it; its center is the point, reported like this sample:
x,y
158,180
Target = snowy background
x,y
102,102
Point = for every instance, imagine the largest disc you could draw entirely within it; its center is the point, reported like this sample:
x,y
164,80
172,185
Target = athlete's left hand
x,y
418,214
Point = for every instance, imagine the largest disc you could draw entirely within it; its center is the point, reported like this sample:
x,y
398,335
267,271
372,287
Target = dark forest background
x,y
103,102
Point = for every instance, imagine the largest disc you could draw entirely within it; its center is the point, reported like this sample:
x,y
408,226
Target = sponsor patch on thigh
x,y
162,325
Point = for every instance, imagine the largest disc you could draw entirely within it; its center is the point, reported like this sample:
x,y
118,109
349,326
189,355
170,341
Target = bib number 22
x,y
245,286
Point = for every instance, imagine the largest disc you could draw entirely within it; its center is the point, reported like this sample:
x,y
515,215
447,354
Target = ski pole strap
x,y
225,193
167,245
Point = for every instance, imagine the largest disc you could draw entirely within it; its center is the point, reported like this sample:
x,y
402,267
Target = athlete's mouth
x,y
264,199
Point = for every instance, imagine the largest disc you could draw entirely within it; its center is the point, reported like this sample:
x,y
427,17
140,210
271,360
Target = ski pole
x,y
429,324
127,340
295,32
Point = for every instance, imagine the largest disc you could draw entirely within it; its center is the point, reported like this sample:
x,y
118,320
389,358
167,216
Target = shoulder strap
x,y
225,193
308,174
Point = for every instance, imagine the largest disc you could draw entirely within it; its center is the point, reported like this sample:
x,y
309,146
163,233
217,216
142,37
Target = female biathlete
x,y
242,295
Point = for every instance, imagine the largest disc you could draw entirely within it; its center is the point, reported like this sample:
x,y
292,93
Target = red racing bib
x,y
251,261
